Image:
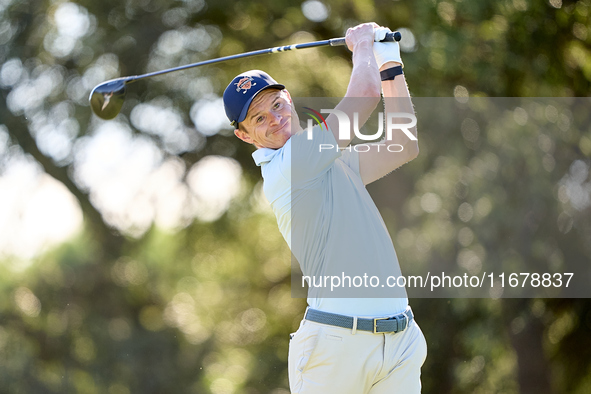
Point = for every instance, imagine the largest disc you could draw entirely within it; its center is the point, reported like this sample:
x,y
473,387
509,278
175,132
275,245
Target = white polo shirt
x,y
332,226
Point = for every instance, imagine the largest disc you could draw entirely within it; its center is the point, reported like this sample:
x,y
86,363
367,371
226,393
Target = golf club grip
x,y
393,36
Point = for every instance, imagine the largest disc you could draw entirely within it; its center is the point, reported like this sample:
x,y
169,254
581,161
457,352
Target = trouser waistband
x,y
378,325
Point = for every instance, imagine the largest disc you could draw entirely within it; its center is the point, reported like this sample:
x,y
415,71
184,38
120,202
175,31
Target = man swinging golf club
x,y
352,342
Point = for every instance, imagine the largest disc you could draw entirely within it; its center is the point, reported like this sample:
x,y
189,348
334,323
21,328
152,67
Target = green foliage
x,y
172,314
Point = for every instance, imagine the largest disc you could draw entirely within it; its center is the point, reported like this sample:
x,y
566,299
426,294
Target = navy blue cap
x,y
242,90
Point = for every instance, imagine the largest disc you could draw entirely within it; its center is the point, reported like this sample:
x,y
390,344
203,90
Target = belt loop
x,y
306,312
407,319
354,330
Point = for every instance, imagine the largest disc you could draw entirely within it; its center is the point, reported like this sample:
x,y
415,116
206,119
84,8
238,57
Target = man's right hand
x,y
362,34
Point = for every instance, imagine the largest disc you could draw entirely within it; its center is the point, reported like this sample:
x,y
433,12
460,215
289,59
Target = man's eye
x,y
260,119
277,105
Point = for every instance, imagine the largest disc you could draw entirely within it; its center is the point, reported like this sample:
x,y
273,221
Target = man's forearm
x,y
363,90
397,100
365,78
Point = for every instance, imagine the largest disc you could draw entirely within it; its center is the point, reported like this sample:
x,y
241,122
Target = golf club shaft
x,y
394,36
106,99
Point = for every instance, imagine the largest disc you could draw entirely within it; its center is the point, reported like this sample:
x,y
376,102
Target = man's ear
x,y
243,135
288,95
294,114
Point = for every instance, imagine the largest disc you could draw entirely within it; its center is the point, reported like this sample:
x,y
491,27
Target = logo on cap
x,y
245,83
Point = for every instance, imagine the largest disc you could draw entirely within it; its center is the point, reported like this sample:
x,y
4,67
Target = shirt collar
x,y
265,155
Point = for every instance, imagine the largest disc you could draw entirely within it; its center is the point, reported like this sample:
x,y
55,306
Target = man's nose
x,y
275,117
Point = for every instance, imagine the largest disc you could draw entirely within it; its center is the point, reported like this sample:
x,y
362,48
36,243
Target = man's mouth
x,y
280,128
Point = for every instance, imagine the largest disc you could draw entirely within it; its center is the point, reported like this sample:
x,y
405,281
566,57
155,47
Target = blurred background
x,y
139,255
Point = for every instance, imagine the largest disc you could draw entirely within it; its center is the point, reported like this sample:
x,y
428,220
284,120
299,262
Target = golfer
x,y
353,339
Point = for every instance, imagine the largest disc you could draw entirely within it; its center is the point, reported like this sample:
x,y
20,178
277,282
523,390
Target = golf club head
x,y
107,98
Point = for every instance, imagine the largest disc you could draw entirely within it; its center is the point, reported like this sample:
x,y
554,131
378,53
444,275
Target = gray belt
x,y
380,324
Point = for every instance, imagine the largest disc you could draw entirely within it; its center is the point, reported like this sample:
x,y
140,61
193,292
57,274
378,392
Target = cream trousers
x,y
325,359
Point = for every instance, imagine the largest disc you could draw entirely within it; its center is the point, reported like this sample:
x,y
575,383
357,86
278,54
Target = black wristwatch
x,y
391,73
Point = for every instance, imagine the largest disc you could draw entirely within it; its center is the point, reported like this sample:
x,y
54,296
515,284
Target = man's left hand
x,y
385,52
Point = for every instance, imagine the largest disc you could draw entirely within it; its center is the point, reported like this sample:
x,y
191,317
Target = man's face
x,y
268,121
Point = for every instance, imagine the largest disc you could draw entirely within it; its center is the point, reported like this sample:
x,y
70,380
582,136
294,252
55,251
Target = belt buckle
x,y
375,323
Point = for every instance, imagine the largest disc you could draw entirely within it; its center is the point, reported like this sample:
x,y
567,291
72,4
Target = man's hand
x,y
360,35
385,52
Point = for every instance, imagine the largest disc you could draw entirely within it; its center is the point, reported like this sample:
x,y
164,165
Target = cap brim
x,y
247,104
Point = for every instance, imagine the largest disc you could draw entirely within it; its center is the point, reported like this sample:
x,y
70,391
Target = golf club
x,y
106,99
